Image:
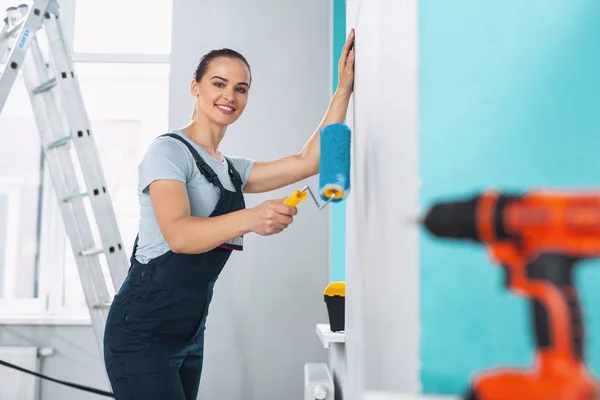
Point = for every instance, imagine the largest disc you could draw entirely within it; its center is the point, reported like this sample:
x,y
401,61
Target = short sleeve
x,y
243,166
165,159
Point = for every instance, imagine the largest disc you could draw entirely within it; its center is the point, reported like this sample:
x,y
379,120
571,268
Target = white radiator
x,y
318,384
399,396
17,385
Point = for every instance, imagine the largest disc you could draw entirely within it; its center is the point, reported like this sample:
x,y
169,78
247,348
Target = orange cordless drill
x,y
537,237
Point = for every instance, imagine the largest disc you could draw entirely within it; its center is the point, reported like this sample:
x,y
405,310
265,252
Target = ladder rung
x,y
60,142
99,250
102,305
75,197
92,252
49,84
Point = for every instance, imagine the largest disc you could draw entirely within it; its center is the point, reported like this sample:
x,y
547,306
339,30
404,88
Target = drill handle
x,y
554,330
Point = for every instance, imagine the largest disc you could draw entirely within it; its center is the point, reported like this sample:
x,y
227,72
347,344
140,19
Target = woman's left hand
x,y
346,66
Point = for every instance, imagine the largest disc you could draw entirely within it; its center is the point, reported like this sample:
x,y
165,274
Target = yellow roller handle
x,y
295,198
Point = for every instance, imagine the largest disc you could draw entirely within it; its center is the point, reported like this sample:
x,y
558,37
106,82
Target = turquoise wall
x,y
338,210
509,99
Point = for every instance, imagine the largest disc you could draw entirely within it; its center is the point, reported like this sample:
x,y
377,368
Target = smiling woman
x,y
193,216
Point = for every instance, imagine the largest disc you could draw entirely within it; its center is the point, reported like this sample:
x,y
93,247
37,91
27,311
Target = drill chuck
x,y
465,219
455,219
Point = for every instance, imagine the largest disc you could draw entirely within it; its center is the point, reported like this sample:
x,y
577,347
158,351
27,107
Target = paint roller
x,y
334,168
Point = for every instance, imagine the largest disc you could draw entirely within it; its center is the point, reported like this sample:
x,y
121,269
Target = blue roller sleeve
x,y
334,167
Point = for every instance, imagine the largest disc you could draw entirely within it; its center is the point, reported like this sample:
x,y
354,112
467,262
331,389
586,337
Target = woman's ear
x,y
194,88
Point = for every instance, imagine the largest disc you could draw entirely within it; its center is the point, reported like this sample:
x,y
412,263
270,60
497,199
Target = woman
x,y
192,216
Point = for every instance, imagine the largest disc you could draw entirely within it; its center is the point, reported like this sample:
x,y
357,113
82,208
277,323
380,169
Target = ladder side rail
x,y
91,165
31,25
73,215
67,188
59,162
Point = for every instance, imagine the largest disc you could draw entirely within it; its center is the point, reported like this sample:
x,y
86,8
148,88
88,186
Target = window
x,y
20,179
21,175
116,26
125,88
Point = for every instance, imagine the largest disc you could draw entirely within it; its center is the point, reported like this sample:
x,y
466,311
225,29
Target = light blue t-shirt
x,y
168,158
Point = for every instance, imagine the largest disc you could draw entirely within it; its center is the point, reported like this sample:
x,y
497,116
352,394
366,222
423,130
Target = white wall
x,y
261,327
382,250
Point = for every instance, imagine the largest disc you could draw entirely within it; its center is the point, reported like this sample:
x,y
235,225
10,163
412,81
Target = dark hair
x,y
211,55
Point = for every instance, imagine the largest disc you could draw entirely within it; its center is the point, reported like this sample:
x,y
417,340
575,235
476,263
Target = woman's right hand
x,y
271,217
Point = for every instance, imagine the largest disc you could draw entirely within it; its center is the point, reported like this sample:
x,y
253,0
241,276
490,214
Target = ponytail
x,y
194,113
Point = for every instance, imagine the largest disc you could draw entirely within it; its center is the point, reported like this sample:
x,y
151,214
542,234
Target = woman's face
x,y
222,92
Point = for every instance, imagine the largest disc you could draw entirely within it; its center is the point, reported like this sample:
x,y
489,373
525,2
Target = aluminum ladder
x,y
71,156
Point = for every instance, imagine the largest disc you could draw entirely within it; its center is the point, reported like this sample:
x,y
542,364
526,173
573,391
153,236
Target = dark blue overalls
x,y
154,336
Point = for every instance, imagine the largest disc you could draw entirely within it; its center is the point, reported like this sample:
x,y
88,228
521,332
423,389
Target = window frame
x,y
47,308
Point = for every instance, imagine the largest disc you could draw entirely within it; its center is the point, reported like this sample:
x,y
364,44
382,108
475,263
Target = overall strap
x,y
235,176
204,168
134,250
